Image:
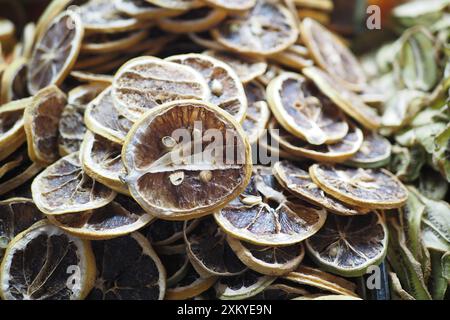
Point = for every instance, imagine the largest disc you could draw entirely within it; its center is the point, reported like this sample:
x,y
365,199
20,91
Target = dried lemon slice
x,y
232,5
41,123
118,218
349,245
12,161
14,81
337,152
267,28
293,57
39,264
92,78
174,182
53,9
177,4
262,215
375,152
146,82
258,113
104,119
134,274
64,187
331,55
209,252
197,20
165,233
55,52
303,111
347,100
367,188
175,261
142,9
116,42
225,86
298,182
272,261
280,291
205,39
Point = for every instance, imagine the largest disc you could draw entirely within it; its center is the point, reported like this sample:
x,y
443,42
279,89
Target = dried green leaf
x,y
438,284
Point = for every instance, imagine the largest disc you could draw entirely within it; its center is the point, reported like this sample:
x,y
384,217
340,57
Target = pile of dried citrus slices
x,y
133,136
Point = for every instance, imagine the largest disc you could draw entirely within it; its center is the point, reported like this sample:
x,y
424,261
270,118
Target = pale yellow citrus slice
x,y
375,152
232,5
92,78
196,20
258,112
177,4
109,43
14,81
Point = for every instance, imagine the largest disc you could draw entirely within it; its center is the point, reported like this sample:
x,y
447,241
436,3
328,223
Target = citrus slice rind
x,y
375,152
233,5
303,111
258,113
197,20
36,262
163,233
92,78
110,43
272,261
175,261
280,291
347,246
64,187
133,89
13,81
367,188
187,183
177,4
142,9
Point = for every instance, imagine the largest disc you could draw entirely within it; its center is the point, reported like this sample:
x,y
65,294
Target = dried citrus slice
x,y
55,52
104,119
375,152
116,42
347,246
348,101
11,162
174,182
14,81
71,126
146,82
175,261
367,188
271,72
28,36
41,123
209,252
92,78
243,286
189,286
270,148
332,55
263,215
280,291
16,215
118,218
64,187
298,182
322,280
177,4
337,152
272,261
142,9
102,161
7,29
53,9
293,57
327,297
303,111
226,88
205,39
232,5
134,274
196,20
165,233
267,28
44,263
258,113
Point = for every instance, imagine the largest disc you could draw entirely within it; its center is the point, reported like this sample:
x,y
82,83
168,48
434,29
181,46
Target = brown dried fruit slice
x,y
367,188
332,55
299,183
135,274
349,245
41,123
165,233
197,20
53,9
174,182
55,52
209,252
263,215
175,261
142,9
225,86
272,261
337,152
14,81
348,101
39,263
64,187
293,57
303,111
267,28
110,43
12,162
102,161
375,152
258,113
92,78
146,82
243,286
118,218
232,5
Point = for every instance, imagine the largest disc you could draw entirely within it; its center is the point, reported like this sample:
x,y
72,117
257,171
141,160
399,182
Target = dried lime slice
x,y
267,28
134,274
375,152
347,246
226,88
101,159
196,20
209,252
272,261
39,264
142,9
165,233
41,123
367,188
332,55
146,82
64,187
298,182
177,178
14,81
348,101
55,52
109,43
303,111
258,113
232,5
118,218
